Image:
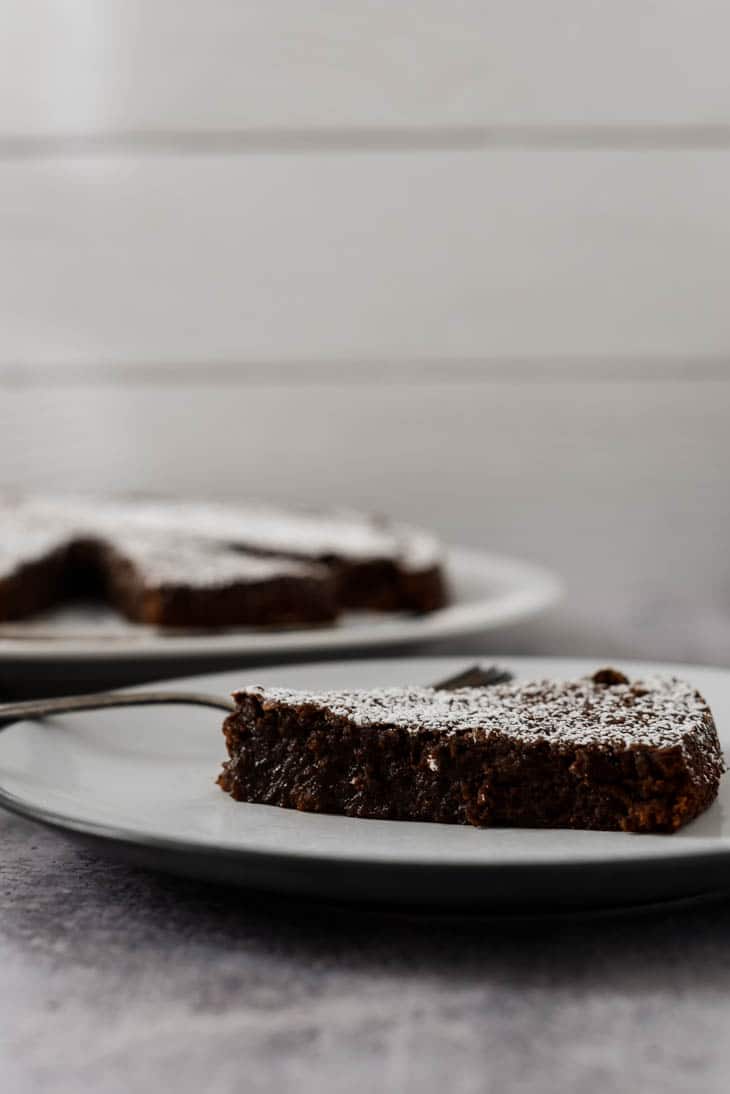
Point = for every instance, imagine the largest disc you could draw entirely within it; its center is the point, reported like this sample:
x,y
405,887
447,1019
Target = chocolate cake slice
x,y
158,579
598,753
377,565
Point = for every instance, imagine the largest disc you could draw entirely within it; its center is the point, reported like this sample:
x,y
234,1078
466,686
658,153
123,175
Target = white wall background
x,y
103,67
298,180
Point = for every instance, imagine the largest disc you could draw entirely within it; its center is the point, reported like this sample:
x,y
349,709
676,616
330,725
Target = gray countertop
x,y
118,980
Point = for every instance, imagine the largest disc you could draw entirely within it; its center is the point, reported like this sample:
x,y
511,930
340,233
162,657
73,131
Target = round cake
x,y
201,564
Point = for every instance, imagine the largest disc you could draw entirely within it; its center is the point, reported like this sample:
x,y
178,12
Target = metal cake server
x,y
474,677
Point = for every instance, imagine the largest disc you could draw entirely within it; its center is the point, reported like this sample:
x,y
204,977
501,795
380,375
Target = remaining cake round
x,y
175,563
600,753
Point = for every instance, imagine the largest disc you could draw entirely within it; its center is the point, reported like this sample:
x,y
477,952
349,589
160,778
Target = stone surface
x,y
116,980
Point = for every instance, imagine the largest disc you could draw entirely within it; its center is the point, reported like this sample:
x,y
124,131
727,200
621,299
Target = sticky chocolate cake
x,y
377,564
202,564
596,753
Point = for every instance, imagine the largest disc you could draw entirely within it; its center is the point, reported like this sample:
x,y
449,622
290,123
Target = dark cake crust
x,y
32,587
383,586
310,755
280,600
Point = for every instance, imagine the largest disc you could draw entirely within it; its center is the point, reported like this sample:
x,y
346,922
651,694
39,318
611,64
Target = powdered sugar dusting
x,y
658,713
417,550
160,558
161,561
267,528
256,527
341,533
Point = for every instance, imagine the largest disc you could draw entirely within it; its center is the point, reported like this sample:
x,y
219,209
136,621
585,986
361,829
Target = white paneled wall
x,y
336,256
570,199
101,66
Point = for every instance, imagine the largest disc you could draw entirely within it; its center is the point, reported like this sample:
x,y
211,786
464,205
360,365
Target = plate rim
x,y
536,588
113,834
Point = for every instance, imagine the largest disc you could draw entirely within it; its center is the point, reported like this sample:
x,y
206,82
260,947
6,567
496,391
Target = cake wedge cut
x,y
603,752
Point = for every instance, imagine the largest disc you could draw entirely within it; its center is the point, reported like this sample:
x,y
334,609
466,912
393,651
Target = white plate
x,y
140,782
488,591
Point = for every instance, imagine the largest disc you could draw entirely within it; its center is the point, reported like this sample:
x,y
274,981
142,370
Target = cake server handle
x,y
475,676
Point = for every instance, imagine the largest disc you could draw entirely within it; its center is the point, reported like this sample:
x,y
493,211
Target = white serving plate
x,y
488,591
140,784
